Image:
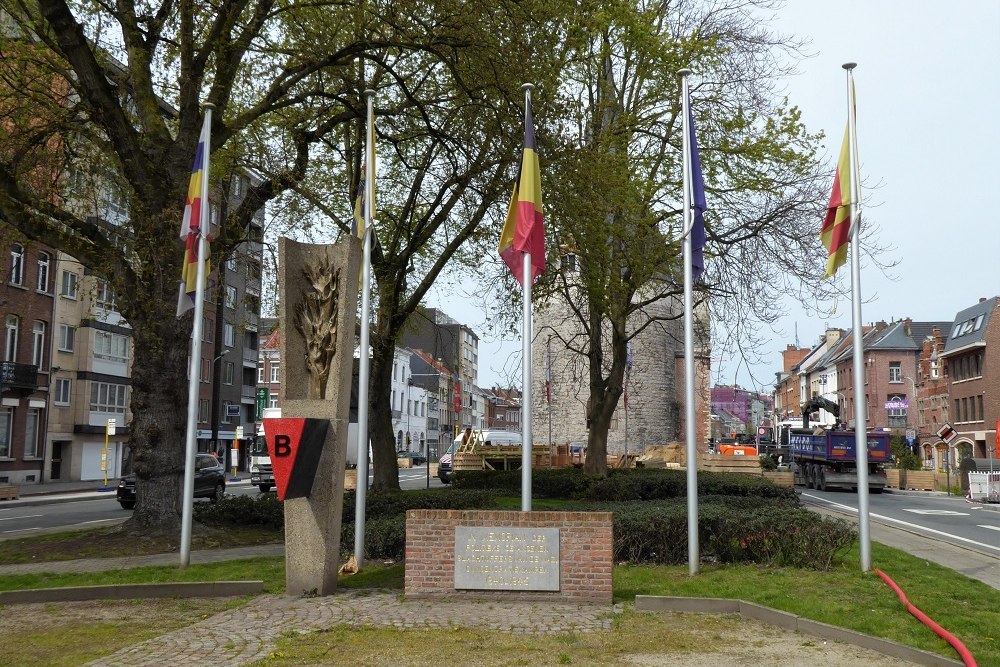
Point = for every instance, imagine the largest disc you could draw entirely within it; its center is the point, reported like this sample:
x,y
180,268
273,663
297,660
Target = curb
x,y
200,589
792,622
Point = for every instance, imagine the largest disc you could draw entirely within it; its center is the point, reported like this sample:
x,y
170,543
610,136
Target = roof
x,y
432,362
970,325
273,341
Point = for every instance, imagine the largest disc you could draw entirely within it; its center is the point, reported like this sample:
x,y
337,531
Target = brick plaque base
x,y
509,555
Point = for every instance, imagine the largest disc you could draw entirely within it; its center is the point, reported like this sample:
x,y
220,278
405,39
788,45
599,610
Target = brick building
x,y
786,388
932,398
973,373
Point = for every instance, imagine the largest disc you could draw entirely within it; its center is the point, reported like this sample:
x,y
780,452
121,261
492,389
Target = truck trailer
x,y
827,460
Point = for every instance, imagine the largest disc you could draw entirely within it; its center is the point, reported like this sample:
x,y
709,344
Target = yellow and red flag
x,y
836,232
524,232
191,226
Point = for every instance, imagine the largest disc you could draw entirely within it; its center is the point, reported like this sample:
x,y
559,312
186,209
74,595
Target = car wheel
x,y
126,505
218,493
264,488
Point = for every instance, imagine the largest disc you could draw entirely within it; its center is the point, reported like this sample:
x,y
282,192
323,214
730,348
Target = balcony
x,y
248,391
18,378
397,414
252,321
432,423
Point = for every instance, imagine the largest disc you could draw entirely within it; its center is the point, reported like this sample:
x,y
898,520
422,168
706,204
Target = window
x,y
231,262
104,297
207,330
111,347
965,409
272,401
107,397
6,421
67,338
69,285
64,391
225,412
275,372
203,410
895,371
237,186
16,276
228,336
979,402
31,434
43,272
230,296
13,327
38,343
228,370
206,369
958,413
260,374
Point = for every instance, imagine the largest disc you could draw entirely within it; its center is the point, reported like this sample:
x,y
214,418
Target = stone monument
x,y
318,293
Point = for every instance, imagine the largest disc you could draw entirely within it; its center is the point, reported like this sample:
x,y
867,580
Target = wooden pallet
x,y
8,493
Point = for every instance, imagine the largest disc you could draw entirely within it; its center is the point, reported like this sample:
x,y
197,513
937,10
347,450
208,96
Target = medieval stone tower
x,y
655,385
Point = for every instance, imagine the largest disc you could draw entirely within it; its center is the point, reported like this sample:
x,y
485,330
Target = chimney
x,y
981,299
908,326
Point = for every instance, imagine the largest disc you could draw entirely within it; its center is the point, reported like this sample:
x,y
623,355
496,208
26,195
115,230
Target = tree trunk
x,y
383,439
159,416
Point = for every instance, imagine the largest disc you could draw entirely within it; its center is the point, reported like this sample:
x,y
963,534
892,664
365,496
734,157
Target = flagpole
x,y
187,502
860,412
366,264
689,426
526,444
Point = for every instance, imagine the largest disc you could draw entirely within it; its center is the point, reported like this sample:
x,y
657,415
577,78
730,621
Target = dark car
x,y
417,458
209,482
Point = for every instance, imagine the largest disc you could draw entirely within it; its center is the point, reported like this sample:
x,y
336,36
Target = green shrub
x,y
545,482
262,510
384,505
656,532
385,537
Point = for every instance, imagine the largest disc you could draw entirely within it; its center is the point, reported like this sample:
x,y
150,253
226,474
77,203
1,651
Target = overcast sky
x,y
928,100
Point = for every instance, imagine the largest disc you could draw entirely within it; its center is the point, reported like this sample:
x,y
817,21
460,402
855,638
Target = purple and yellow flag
x,y
191,227
524,233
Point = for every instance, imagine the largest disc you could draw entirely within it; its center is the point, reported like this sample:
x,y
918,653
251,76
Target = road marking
x,y
26,516
990,527
937,512
98,521
912,526
21,530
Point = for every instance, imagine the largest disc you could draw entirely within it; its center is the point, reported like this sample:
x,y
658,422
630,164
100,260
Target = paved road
x,y
948,518
35,515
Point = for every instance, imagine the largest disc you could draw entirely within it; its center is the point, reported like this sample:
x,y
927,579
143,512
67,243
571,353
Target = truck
x,y
261,473
827,459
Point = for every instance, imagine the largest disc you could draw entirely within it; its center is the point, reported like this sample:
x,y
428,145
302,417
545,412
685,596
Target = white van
x,y
487,438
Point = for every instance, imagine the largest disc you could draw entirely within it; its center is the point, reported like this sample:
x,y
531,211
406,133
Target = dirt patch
x,y
741,642
119,541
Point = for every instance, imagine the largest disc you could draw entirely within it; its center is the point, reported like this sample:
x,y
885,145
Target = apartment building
x,y
26,378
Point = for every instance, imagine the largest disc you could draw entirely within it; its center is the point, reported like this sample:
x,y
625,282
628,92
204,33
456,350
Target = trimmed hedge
x,y
263,510
769,536
383,505
620,485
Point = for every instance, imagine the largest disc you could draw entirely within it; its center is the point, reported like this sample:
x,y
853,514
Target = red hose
x,y
955,642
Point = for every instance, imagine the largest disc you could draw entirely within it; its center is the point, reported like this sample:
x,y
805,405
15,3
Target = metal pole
x,y
366,262
526,361
187,502
689,425
861,409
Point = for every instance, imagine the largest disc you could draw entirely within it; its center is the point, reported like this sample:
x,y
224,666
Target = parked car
x,y
209,482
417,458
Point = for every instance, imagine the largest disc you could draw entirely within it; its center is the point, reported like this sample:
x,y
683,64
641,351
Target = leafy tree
x,y
613,187
115,92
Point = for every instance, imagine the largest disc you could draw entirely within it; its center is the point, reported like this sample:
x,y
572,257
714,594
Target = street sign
x,y
458,398
911,434
263,398
947,433
111,427
233,410
104,459
295,445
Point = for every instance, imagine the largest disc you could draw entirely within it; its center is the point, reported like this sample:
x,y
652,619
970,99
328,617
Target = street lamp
x,y
913,395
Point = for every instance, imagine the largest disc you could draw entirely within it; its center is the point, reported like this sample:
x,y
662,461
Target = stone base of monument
x,y
509,555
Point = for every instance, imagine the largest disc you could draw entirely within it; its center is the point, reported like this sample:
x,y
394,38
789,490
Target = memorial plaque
x,y
506,559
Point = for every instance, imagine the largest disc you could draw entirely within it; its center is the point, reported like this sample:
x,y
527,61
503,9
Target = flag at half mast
x,y
524,232
358,226
836,231
191,227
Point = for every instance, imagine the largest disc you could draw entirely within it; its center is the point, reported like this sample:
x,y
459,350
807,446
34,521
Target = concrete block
x,y
782,619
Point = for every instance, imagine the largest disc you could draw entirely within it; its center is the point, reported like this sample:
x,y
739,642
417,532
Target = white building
x,y
409,405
